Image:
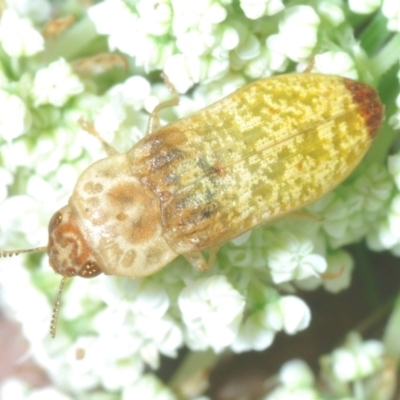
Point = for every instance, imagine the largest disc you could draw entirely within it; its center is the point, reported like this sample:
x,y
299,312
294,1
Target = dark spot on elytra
x,y
199,216
369,104
181,203
218,169
170,179
165,158
209,195
165,196
203,164
154,142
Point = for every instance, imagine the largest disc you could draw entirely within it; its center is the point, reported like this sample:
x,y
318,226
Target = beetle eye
x,y
55,221
89,270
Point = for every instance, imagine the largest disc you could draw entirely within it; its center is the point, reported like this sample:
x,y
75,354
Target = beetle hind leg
x,y
199,262
89,128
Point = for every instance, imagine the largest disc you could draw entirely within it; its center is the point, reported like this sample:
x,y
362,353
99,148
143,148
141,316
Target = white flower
x,y
388,230
335,63
357,359
38,11
394,168
121,119
47,394
297,382
35,325
15,119
297,35
254,334
373,189
289,313
394,120
112,17
391,10
113,367
5,179
183,71
138,309
13,389
17,35
331,11
139,296
291,258
148,387
20,214
154,16
130,34
212,310
201,13
254,9
296,373
249,46
186,70
241,239
338,274
364,6
295,394
55,84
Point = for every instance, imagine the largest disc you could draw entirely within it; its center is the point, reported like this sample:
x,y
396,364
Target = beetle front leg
x,y
154,120
199,262
89,128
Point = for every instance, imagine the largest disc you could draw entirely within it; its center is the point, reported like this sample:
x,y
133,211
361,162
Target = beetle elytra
x,y
271,147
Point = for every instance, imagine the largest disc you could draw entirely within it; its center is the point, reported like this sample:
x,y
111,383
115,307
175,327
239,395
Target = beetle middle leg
x,y
154,120
89,128
198,261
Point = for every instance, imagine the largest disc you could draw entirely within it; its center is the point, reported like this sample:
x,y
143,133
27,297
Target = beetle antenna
x,y
10,253
56,309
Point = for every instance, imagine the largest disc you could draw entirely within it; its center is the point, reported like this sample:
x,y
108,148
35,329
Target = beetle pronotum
x,y
269,148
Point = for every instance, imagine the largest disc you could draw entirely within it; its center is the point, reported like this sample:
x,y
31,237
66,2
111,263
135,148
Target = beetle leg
x,y
89,128
154,120
198,261
305,214
309,67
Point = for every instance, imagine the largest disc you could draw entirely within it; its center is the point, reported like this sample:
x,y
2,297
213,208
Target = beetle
x,y
271,147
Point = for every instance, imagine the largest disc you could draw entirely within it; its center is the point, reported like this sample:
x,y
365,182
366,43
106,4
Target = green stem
x,y
387,56
374,35
363,260
391,335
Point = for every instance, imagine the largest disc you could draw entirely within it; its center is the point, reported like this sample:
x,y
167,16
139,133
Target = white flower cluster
x,y
395,118
110,329
390,9
357,359
211,40
346,371
386,236
296,381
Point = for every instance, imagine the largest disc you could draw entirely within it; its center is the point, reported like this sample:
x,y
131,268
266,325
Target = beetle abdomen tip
x,y
369,105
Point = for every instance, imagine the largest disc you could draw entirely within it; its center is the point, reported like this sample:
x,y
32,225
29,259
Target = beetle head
x,y
69,253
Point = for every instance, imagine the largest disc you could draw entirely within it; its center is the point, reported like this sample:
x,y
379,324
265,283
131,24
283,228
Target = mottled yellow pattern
x,y
272,147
